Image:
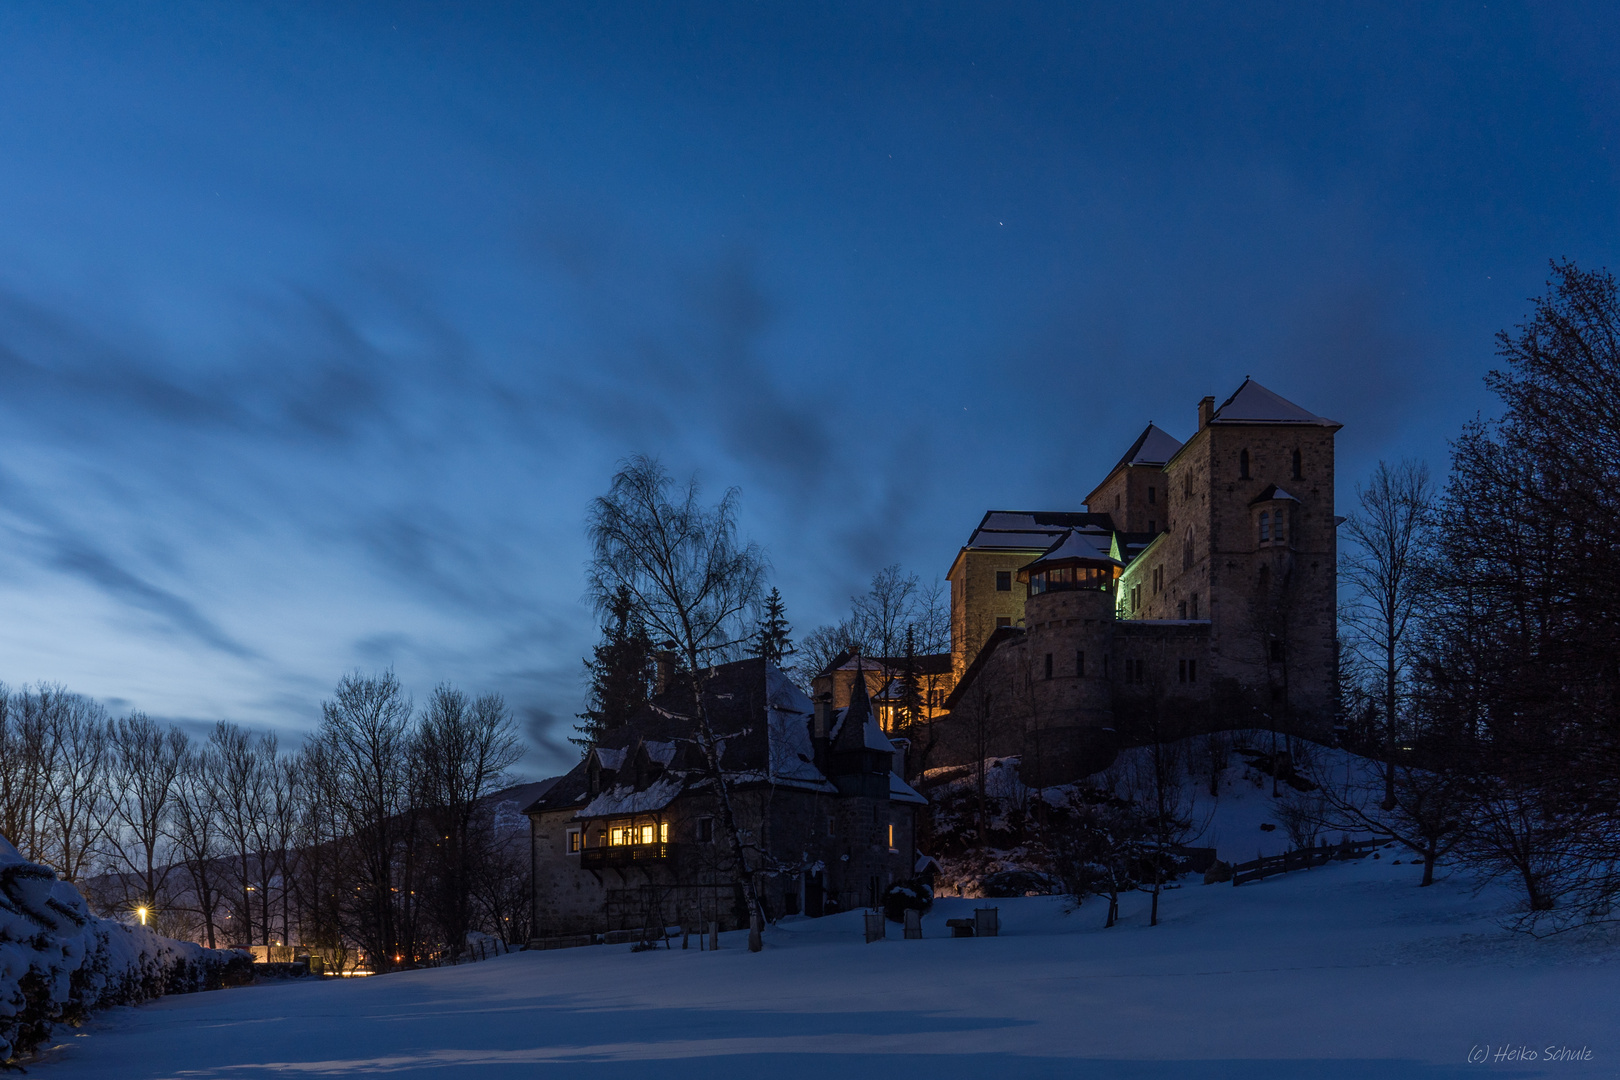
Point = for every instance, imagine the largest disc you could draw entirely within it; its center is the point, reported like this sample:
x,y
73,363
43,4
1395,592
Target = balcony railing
x,y
600,858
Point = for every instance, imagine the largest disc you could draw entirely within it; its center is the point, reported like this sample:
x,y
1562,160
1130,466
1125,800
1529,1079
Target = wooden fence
x,y
1304,859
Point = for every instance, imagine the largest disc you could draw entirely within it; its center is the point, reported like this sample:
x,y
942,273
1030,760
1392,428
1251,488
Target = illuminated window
x,y
891,837
617,837
663,832
574,839
647,833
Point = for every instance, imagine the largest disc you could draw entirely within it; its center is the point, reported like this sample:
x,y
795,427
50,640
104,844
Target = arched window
x,y
1243,465
1265,526
1298,475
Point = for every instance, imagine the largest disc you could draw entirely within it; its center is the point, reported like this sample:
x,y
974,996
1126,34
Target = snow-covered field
x,y
1344,971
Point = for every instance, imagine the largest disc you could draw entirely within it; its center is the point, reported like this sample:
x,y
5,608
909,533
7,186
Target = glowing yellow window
x,y
663,832
617,836
891,836
646,834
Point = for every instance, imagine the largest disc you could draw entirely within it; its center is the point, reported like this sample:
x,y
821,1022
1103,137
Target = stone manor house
x,y
1195,590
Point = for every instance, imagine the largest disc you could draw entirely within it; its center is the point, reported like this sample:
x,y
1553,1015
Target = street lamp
x,y
141,911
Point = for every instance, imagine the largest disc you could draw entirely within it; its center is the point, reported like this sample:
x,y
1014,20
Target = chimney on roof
x,y
664,659
1206,412
823,715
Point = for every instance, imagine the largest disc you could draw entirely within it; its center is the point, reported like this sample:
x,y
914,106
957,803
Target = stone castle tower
x,y
1197,590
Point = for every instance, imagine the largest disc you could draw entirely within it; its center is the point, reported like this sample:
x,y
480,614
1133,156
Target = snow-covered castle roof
x,y
1252,403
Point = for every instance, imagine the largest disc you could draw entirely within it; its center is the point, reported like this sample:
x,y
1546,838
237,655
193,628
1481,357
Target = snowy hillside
x,y
1345,971
1226,784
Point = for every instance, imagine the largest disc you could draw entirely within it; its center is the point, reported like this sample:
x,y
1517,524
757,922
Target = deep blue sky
x,y
320,325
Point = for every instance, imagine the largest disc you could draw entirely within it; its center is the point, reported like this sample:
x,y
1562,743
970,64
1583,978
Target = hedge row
x,y
58,961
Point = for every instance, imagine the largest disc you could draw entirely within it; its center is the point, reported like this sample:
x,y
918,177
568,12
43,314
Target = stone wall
x,y
976,603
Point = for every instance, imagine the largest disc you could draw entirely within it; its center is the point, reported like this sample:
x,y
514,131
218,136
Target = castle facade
x,y
1197,590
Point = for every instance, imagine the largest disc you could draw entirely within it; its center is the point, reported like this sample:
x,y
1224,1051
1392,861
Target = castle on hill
x,y
1196,590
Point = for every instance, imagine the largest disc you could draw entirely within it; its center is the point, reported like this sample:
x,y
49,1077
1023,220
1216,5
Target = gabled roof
x,y
1154,446
1252,403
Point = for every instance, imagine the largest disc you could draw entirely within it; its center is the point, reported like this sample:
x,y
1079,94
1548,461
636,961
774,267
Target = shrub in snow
x,y
58,961
914,895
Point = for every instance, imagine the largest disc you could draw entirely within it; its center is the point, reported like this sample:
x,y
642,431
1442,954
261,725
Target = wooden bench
x,y
986,922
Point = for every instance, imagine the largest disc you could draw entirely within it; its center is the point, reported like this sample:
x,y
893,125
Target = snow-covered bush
x,y
58,961
907,895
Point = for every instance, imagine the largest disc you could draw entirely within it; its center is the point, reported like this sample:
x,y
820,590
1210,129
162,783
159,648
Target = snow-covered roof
x,y
900,791
1089,546
625,799
792,758
1031,530
1252,403
1154,446
869,735
661,752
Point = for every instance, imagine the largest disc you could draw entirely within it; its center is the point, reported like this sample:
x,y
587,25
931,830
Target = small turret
x,y
1070,621
860,757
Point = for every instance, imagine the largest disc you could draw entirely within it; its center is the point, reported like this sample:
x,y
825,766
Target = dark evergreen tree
x,y
772,641
910,691
621,670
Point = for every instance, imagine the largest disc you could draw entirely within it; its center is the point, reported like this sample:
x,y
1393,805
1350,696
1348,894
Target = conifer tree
x,y
910,690
621,671
772,641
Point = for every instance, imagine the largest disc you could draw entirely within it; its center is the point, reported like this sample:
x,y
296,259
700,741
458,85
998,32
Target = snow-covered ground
x,y
1344,971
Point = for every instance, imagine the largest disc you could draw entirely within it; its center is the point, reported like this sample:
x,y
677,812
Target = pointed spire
x,y
851,733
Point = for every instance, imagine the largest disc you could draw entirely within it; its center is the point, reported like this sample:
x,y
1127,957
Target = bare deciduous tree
x,y
693,581
365,737
1383,569
464,747
145,772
